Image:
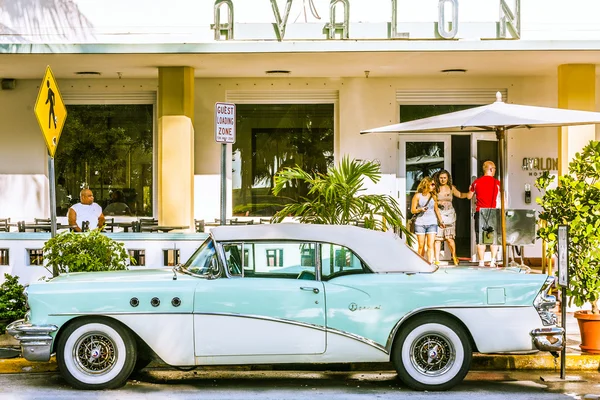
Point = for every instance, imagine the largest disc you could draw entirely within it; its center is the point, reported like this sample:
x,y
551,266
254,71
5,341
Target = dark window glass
x,y
107,148
170,257
4,257
139,256
36,256
271,137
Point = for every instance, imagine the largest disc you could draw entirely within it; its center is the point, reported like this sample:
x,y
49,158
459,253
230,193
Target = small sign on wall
x,y
225,122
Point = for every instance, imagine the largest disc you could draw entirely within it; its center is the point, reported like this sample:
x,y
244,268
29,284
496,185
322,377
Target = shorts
x,y
476,217
425,229
448,232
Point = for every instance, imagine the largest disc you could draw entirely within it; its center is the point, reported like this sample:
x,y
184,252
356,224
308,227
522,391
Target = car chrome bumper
x,y
36,342
548,339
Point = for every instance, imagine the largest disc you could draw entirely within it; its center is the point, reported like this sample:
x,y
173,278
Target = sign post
x,y
224,134
51,115
563,281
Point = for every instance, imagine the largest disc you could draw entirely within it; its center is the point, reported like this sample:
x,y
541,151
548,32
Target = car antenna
x,y
175,264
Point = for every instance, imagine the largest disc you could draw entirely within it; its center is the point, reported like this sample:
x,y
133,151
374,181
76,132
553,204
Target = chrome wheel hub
x,y
432,354
95,353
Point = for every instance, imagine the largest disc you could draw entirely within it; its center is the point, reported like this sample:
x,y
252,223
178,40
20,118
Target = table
x,y
124,224
161,228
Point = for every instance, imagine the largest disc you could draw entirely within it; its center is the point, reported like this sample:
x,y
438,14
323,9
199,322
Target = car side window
x,y
339,260
271,259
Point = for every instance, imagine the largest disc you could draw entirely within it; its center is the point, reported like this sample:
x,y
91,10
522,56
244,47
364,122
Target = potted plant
x,y
337,197
85,252
575,202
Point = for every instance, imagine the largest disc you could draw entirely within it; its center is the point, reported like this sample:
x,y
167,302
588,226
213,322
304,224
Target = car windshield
x,y
203,261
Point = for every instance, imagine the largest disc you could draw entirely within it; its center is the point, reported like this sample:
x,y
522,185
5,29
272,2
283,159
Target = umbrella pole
x,y
501,136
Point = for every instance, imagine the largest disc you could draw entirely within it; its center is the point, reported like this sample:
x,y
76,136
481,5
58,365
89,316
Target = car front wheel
x,y
432,352
96,354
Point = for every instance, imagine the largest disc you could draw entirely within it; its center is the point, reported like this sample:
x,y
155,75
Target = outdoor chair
x,y
4,225
108,225
199,225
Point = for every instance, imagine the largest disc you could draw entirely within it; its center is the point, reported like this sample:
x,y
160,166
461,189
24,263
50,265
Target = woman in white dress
x,y
446,191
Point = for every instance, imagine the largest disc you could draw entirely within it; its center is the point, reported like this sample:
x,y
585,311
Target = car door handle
x,y
313,289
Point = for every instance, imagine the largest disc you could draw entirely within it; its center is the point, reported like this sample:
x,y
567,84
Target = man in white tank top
x,y
86,210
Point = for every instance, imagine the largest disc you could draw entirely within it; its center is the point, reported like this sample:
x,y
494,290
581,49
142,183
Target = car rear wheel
x,y
96,354
432,352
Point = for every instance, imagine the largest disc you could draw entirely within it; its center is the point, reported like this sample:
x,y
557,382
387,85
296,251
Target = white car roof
x,y
382,251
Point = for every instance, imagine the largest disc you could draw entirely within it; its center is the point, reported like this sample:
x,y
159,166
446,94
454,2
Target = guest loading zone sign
x,y
225,123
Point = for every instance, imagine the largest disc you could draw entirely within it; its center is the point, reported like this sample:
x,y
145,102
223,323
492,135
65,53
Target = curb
x,y
481,362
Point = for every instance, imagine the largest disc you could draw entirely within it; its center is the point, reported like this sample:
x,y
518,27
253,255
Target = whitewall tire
x,y
432,352
96,354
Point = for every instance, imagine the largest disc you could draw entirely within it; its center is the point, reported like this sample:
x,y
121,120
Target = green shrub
x,y
12,301
85,252
575,202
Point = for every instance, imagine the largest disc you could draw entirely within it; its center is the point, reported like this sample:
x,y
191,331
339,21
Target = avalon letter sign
x,y
225,123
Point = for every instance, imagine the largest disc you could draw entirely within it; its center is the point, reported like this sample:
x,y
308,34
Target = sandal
x,y
455,260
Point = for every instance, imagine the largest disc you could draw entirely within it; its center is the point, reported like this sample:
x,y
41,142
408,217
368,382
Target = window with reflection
x,y
338,260
271,137
107,148
271,259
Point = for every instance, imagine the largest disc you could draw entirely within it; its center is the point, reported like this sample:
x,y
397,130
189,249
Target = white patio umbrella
x,y
496,117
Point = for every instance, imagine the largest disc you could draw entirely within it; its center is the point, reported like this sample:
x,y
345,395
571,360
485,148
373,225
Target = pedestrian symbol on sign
x,y
51,114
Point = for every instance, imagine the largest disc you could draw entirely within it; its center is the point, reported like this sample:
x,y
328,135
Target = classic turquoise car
x,y
288,293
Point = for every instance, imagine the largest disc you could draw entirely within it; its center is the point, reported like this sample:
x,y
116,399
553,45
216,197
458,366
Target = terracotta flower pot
x,y
589,327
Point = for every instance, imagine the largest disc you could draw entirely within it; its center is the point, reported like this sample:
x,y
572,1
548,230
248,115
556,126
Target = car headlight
x,y
544,302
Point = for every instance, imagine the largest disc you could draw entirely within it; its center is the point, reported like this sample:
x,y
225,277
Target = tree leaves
x,y
13,304
575,202
337,197
84,252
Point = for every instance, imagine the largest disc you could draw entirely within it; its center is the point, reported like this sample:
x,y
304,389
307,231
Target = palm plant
x,y
336,197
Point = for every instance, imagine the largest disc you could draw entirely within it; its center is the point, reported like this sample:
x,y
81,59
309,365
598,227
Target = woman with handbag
x,y
428,218
446,191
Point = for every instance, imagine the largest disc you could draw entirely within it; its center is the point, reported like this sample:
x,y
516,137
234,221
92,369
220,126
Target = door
x,y
270,303
420,156
484,147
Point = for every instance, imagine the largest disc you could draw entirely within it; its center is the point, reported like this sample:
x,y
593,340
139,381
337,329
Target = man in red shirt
x,y
485,189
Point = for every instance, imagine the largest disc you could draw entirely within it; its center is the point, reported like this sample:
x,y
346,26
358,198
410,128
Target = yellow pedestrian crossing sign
x,y
50,111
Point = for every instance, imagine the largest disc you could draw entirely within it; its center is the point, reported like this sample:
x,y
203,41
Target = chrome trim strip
x,y
265,318
119,313
361,339
390,340
306,325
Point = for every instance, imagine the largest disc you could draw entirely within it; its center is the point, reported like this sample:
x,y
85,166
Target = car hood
x,y
139,275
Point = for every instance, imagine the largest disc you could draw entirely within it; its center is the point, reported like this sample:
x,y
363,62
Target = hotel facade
x,y
140,80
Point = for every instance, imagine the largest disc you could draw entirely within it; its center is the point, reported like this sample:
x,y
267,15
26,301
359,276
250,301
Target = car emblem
x,y
352,307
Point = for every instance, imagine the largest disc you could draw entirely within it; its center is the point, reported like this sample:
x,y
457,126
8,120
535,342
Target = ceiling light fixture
x,y
88,73
278,72
454,71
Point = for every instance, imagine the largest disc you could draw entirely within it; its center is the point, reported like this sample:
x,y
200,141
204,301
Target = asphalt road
x,y
270,385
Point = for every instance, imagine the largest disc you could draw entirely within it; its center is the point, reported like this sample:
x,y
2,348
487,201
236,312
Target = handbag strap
x,y
430,197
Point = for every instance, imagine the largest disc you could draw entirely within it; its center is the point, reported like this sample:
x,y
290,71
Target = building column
x,y
176,146
576,91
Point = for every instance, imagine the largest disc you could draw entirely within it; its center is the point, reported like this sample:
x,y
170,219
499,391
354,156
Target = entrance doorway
x,y
484,147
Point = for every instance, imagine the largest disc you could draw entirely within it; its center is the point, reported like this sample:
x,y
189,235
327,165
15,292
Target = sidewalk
x,y
575,360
